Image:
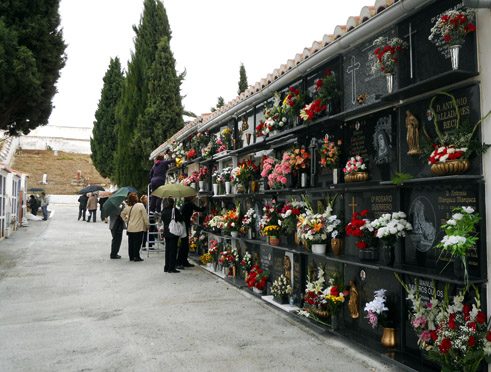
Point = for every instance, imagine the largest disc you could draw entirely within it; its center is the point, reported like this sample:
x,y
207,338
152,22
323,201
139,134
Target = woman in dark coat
x,y
157,179
33,204
170,239
187,210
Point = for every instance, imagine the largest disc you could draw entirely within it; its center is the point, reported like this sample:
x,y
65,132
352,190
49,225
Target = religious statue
x,y
353,300
288,269
412,138
256,259
245,125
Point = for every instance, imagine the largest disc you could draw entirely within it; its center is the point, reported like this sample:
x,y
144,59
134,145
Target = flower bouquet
x,y
214,248
191,154
334,296
378,312
314,307
452,28
317,229
389,228
231,222
227,137
257,279
249,222
275,117
292,103
261,129
312,111
327,91
330,154
299,159
364,231
227,258
220,146
460,236
386,55
281,289
246,262
289,218
210,149
354,171
206,258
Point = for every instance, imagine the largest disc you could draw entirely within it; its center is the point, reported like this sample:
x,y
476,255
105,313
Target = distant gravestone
x,y
45,179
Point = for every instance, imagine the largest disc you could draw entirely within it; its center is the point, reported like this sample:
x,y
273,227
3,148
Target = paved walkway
x,y
65,306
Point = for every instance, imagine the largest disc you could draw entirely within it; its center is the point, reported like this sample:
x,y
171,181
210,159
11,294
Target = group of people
x,y
88,202
43,202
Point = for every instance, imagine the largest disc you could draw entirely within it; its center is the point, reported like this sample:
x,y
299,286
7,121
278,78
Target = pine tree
x,y
153,26
243,80
163,114
104,141
220,103
32,53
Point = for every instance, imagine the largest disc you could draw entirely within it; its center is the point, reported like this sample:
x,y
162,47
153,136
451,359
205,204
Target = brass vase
x,y
336,245
356,177
389,337
297,240
450,167
248,138
254,185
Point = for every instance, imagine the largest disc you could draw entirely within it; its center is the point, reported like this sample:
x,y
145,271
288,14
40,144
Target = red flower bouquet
x,y
362,229
257,278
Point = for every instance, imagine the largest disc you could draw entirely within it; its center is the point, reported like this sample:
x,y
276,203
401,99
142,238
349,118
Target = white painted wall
x,y
61,138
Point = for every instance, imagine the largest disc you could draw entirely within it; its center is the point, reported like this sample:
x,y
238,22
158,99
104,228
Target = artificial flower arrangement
x,y
246,262
456,145
217,178
278,177
456,335
386,55
452,28
209,217
390,227
299,159
229,257
460,234
271,216
281,287
231,220
202,174
293,102
206,258
354,164
247,172
330,153
313,110
362,228
227,135
226,174
191,154
275,117
271,230
261,129
326,88
210,149
214,248
257,278
177,150
378,312
313,292
220,146
289,215
335,294
249,219
318,228
267,166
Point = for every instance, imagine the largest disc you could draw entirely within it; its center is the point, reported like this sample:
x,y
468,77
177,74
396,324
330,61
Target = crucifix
x,y
352,70
353,204
410,35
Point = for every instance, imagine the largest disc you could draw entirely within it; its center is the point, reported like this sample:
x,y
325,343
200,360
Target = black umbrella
x,y
40,189
91,188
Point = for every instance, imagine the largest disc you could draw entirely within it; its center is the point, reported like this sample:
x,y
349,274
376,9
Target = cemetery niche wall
x,y
389,132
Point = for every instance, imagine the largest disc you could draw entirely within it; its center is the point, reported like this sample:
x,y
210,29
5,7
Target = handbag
x,y
128,223
176,228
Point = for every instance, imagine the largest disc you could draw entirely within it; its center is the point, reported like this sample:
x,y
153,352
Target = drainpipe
x,y
477,3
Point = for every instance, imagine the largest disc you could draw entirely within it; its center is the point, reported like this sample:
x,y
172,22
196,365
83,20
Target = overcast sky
x,y
210,39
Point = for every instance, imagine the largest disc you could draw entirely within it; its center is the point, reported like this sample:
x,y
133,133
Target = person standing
x,y
44,205
102,200
187,210
168,214
116,225
82,206
157,179
33,205
92,206
135,216
152,229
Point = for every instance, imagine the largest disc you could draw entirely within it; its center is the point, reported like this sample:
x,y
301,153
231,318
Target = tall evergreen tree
x,y
153,26
32,53
163,114
104,141
242,80
220,103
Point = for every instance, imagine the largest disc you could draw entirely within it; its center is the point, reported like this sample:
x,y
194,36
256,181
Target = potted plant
x,y
378,314
272,231
460,236
450,30
386,56
389,228
355,170
281,290
363,230
257,279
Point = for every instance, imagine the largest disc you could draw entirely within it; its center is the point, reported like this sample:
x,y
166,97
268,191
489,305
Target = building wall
x,y
67,139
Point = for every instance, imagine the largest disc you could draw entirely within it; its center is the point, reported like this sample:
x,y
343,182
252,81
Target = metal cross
x,y
353,204
411,32
352,69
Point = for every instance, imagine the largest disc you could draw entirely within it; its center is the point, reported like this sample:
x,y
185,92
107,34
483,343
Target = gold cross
x,y
353,204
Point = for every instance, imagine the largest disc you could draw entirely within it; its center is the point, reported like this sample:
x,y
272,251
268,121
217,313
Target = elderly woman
x,y
135,215
169,213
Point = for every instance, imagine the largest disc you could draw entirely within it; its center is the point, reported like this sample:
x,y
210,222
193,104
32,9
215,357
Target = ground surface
x,y
61,170
65,306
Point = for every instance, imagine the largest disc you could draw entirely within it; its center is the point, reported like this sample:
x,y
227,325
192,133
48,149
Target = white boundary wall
x,y
67,139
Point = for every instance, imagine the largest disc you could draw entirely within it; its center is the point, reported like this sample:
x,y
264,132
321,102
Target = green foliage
x,y
32,53
401,177
220,103
104,141
242,80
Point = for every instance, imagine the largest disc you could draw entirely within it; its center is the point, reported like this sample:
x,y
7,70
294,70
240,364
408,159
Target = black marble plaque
x,y
468,101
266,258
278,265
358,77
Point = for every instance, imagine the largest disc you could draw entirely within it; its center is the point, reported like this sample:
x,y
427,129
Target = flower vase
x,y
458,267
215,266
240,189
282,300
257,291
234,234
319,248
336,245
274,240
367,254
201,186
215,189
275,132
388,255
389,337
450,167
334,322
390,82
265,183
250,234
356,177
454,56
304,179
290,238
228,186
221,188
248,138
193,185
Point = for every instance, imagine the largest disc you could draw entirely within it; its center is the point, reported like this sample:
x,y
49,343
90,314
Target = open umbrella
x,y
176,190
114,201
34,189
91,188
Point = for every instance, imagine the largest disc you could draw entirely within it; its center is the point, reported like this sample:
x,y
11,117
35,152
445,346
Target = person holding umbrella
x,y
157,179
169,213
82,206
187,210
135,216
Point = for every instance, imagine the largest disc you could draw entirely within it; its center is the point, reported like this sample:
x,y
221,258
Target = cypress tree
x,y
104,141
32,53
242,80
220,103
163,114
152,27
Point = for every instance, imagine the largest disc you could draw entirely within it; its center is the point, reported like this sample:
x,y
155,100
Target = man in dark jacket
x,y
82,206
170,239
157,179
33,205
187,210
116,225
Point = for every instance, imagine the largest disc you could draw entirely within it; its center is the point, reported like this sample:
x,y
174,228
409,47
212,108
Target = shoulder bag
x,y
176,228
